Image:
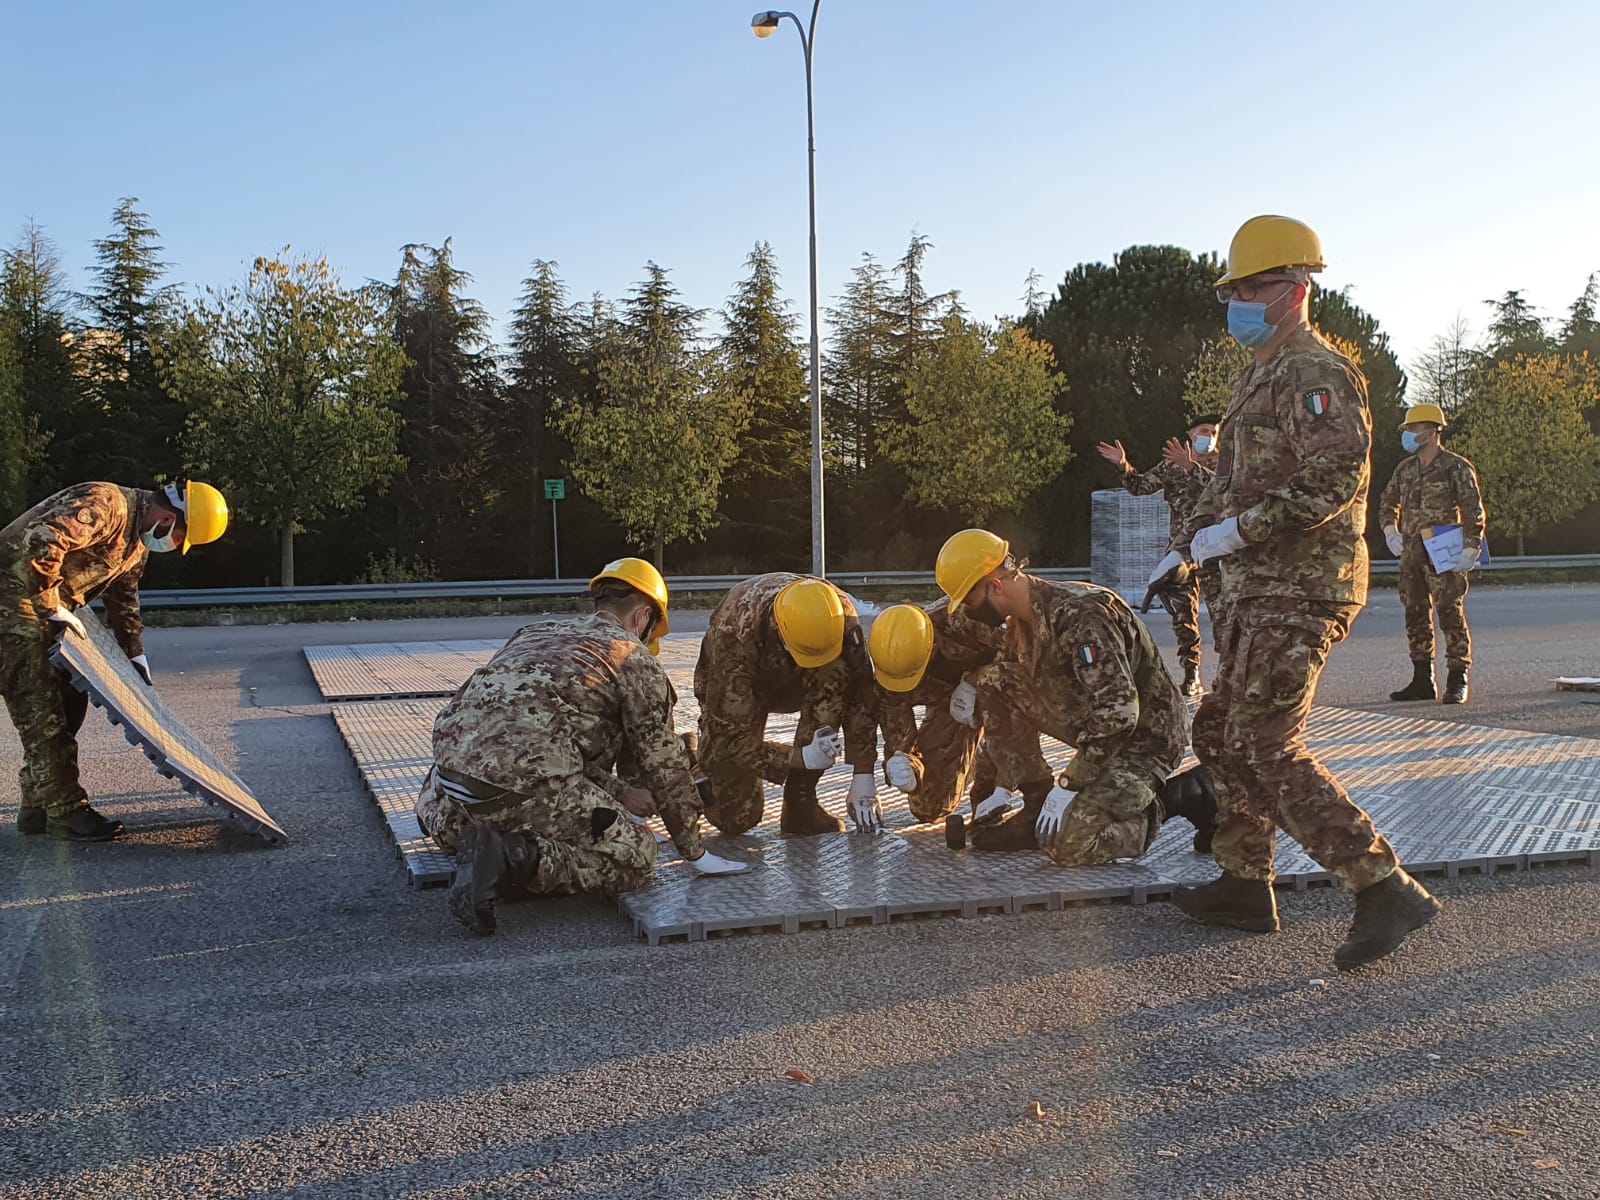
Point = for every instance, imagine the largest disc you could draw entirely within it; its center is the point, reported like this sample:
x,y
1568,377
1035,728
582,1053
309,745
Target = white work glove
x,y
63,618
1054,812
826,748
902,773
1214,541
141,664
709,864
996,806
1396,543
964,704
1170,562
865,810
1467,560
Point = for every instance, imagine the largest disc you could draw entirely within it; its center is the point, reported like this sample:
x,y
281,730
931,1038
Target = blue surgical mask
x,y
1410,442
1205,444
1247,322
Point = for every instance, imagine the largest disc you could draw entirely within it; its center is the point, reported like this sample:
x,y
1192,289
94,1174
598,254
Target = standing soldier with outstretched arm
x,y
1285,514
1433,488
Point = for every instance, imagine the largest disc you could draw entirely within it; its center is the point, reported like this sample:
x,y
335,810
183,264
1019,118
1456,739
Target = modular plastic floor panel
x,y
98,667
1450,797
393,670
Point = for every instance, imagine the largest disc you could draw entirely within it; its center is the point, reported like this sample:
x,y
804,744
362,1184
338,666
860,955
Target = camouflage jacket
x,y
1096,675
79,545
744,672
1179,486
959,645
1445,492
565,698
1294,468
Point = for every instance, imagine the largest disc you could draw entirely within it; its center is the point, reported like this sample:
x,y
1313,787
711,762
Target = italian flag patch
x,y
1318,402
1089,655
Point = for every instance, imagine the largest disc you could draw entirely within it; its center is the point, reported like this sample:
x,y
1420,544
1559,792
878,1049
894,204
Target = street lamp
x,y
764,25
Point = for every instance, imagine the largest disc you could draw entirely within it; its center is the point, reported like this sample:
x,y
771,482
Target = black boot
x,y
803,815
1247,904
480,869
31,821
1016,831
83,824
1421,686
1456,690
1190,795
1191,685
1385,913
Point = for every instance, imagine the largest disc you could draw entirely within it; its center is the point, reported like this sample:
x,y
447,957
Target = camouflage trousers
x,y
558,816
1424,592
945,754
1250,733
736,756
1116,816
47,712
1184,604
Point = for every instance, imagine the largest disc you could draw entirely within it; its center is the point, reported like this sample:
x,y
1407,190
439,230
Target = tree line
x,y
377,432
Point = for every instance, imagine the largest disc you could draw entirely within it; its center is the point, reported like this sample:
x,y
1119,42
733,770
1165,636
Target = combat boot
x,y
1421,686
480,869
1017,830
803,814
1190,795
1191,686
1247,904
1455,686
31,821
1385,912
83,824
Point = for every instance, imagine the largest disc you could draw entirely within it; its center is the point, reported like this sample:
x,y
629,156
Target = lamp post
x,y
764,25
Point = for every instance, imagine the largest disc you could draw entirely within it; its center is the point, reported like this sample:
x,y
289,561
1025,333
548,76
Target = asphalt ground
x,y
191,1013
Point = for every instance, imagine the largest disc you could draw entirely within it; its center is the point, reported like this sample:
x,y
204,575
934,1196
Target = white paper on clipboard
x,y
1444,547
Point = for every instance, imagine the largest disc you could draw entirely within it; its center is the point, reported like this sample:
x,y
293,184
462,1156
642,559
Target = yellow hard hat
x,y
642,577
966,558
1270,244
204,511
1430,413
810,620
901,645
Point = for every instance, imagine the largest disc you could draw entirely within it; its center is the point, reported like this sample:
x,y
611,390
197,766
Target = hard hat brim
x,y
812,661
899,683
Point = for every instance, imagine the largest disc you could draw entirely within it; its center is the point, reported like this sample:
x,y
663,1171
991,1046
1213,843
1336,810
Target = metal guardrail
x,y
506,589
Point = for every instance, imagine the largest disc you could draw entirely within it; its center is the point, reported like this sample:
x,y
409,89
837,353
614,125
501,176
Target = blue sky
x,y
1445,152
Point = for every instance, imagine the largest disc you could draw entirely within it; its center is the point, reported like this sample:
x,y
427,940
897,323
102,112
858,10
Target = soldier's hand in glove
x,y
826,748
141,664
964,704
1054,812
63,618
1393,540
996,806
865,810
1214,541
1467,560
901,772
1171,563
709,864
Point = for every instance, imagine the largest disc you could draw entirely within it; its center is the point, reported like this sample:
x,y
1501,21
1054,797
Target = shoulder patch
x,y
1088,655
1318,401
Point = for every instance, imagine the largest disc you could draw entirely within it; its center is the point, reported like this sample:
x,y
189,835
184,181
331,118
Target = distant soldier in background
x,y
87,542
786,643
1181,475
1433,488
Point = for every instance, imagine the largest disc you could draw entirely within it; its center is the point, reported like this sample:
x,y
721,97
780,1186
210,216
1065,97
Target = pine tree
x,y
858,370
1517,329
1580,334
46,399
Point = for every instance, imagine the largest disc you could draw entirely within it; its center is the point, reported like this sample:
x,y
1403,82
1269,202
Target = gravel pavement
x,y
191,1013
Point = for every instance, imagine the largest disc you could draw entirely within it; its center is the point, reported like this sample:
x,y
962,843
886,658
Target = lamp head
x,y
764,24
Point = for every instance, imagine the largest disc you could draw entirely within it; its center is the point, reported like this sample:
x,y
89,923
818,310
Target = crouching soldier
x,y
1079,666
523,790
785,643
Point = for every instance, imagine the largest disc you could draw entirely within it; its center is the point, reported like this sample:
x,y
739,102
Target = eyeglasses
x,y
1011,568
1248,289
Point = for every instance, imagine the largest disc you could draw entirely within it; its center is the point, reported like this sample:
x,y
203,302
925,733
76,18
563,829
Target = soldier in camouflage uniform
x,y
1180,477
1285,514
523,790
1078,665
934,764
785,643
88,542
1433,487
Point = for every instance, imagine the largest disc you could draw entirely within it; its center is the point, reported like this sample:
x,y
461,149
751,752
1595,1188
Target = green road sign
x,y
555,489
